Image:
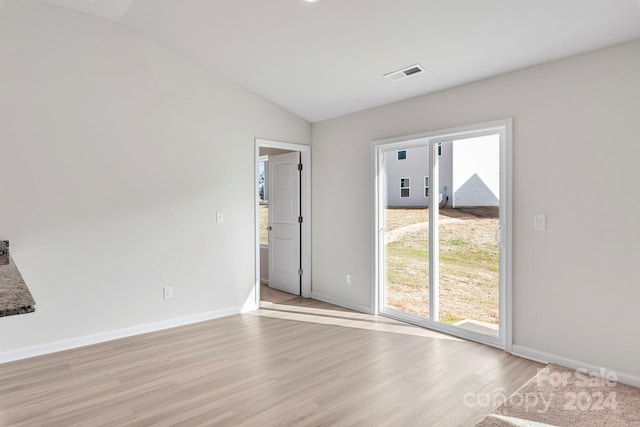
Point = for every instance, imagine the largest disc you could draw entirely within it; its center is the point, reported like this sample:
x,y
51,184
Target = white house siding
x,y
415,167
446,169
476,172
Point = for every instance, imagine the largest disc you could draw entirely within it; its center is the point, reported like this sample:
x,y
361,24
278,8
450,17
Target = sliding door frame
x,y
504,129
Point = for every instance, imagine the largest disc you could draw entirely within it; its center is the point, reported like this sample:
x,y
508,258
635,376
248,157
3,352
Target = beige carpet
x,y
562,397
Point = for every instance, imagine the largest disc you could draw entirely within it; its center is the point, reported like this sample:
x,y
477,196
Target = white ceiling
x,y
110,9
326,59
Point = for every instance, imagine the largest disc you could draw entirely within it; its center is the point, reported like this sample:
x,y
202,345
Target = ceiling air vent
x,y
405,72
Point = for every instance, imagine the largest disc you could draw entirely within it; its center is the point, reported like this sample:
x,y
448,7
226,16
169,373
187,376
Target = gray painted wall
x,y
116,155
575,156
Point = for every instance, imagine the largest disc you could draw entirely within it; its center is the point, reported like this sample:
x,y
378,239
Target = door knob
x,y
269,228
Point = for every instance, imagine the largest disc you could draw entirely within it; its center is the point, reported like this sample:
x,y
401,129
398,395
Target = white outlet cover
x,y
540,222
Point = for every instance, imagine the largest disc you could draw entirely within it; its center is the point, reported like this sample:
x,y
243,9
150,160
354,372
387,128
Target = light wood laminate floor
x,y
268,294
302,362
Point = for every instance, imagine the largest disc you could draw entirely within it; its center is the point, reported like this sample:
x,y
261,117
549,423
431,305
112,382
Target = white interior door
x,y
284,227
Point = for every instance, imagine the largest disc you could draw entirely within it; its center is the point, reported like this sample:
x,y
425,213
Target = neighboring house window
x,y
402,155
426,186
404,187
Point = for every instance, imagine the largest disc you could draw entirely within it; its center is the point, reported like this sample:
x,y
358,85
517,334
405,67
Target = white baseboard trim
x,y
542,357
251,306
54,347
342,303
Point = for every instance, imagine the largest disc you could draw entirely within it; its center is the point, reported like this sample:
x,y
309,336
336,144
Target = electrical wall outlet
x,y
349,277
167,292
540,222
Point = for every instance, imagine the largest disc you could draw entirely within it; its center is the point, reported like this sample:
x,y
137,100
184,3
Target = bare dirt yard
x,y
469,263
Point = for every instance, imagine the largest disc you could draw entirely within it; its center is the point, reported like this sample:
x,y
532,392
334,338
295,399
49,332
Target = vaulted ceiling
x,y
327,58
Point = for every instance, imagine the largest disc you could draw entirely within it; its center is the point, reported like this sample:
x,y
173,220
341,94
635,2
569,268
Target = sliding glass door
x,y
469,230
406,230
441,225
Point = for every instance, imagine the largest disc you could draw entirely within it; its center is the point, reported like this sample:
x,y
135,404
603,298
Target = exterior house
x,y
469,174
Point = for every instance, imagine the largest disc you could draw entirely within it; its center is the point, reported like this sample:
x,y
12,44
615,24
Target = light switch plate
x,y
219,217
540,222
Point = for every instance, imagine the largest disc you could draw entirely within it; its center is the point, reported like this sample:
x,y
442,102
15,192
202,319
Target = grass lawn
x,y
469,265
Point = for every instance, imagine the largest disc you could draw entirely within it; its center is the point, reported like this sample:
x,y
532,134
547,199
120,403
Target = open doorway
x,y
283,226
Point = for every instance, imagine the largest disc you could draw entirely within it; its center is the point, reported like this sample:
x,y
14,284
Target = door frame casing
x,y
505,128
305,205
